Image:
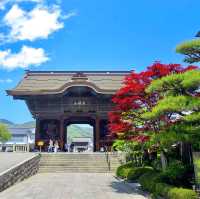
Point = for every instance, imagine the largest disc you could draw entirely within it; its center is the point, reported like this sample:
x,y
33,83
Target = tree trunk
x,y
163,160
186,153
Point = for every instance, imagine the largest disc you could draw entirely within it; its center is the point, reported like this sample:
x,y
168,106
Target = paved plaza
x,y
8,160
71,186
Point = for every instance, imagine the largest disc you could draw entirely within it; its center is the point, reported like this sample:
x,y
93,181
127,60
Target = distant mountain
x,y
76,130
73,130
30,124
8,123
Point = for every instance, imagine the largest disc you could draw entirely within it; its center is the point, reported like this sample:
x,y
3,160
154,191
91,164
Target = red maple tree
x,y
131,100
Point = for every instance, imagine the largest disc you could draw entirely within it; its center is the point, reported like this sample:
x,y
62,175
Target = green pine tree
x,y
191,50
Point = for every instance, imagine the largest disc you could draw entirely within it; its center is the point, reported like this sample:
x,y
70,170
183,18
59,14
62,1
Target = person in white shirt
x,y
56,146
50,147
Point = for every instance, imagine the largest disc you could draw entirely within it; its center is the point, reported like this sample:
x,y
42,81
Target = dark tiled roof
x,y
53,82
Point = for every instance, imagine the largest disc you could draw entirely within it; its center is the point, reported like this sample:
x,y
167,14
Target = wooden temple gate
x,y
59,98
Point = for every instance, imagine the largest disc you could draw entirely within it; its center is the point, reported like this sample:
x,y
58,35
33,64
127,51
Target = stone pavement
x,y
7,160
71,186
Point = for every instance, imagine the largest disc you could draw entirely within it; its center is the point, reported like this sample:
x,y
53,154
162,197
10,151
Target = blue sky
x,y
87,35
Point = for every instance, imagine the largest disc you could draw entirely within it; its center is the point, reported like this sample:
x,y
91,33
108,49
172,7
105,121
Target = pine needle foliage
x,y
191,50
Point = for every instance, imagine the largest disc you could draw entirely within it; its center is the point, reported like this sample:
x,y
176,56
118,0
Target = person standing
x,y
56,146
50,147
66,147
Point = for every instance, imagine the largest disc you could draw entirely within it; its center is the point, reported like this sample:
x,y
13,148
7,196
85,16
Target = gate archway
x,y
81,120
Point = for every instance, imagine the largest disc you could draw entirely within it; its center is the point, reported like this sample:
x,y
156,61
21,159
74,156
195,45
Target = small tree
x,y
179,104
132,100
191,50
5,135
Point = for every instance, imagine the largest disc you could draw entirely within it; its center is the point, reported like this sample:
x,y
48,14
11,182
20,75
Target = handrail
x,y
107,157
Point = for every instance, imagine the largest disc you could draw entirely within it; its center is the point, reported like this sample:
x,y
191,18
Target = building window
x,y
18,138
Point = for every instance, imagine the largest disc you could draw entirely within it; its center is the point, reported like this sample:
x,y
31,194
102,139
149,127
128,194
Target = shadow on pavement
x,y
128,188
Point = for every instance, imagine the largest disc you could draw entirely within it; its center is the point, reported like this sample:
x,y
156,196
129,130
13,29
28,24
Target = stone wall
x,y
19,172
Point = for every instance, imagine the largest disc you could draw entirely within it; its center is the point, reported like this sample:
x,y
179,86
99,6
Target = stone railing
x,y
20,148
16,147
19,172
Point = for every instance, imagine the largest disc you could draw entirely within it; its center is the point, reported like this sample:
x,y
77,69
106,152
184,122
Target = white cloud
x,y
28,56
3,3
8,80
38,23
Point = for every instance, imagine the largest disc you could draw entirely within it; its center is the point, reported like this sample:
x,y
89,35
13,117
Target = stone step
x,y
72,164
77,167
74,168
77,161
75,171
75,156
90,163
71,159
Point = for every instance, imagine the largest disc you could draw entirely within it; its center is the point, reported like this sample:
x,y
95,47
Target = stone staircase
x,y
78,163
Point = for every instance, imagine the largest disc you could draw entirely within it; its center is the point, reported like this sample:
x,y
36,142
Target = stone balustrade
x,y
19,172
16,147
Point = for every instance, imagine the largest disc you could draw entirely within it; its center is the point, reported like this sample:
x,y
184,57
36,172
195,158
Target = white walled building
x,y
22,135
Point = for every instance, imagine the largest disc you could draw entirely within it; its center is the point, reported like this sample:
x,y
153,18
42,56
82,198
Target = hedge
x,y
151,182
162,189
131,173
123,170
181,193
135,173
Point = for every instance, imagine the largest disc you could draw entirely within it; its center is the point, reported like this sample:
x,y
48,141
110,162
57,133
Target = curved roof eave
x,y
60,90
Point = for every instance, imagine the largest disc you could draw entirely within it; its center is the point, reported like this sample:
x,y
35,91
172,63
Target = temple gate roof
x,y
55,82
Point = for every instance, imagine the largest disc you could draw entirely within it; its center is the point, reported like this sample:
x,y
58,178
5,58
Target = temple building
x,y
57,99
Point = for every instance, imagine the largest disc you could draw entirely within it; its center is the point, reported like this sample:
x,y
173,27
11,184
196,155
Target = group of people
x,y
53,146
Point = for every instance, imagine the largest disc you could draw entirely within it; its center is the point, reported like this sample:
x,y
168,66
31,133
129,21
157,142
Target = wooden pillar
x,y
62,137
37,131
97,134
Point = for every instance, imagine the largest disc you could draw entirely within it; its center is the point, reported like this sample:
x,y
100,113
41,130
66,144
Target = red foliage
x,y
117,125
132,95
141,138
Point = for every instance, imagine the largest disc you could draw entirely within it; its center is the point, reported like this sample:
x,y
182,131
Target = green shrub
x,y
123,170
162,189
135,173
174,173
152,182
180,193
149,180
